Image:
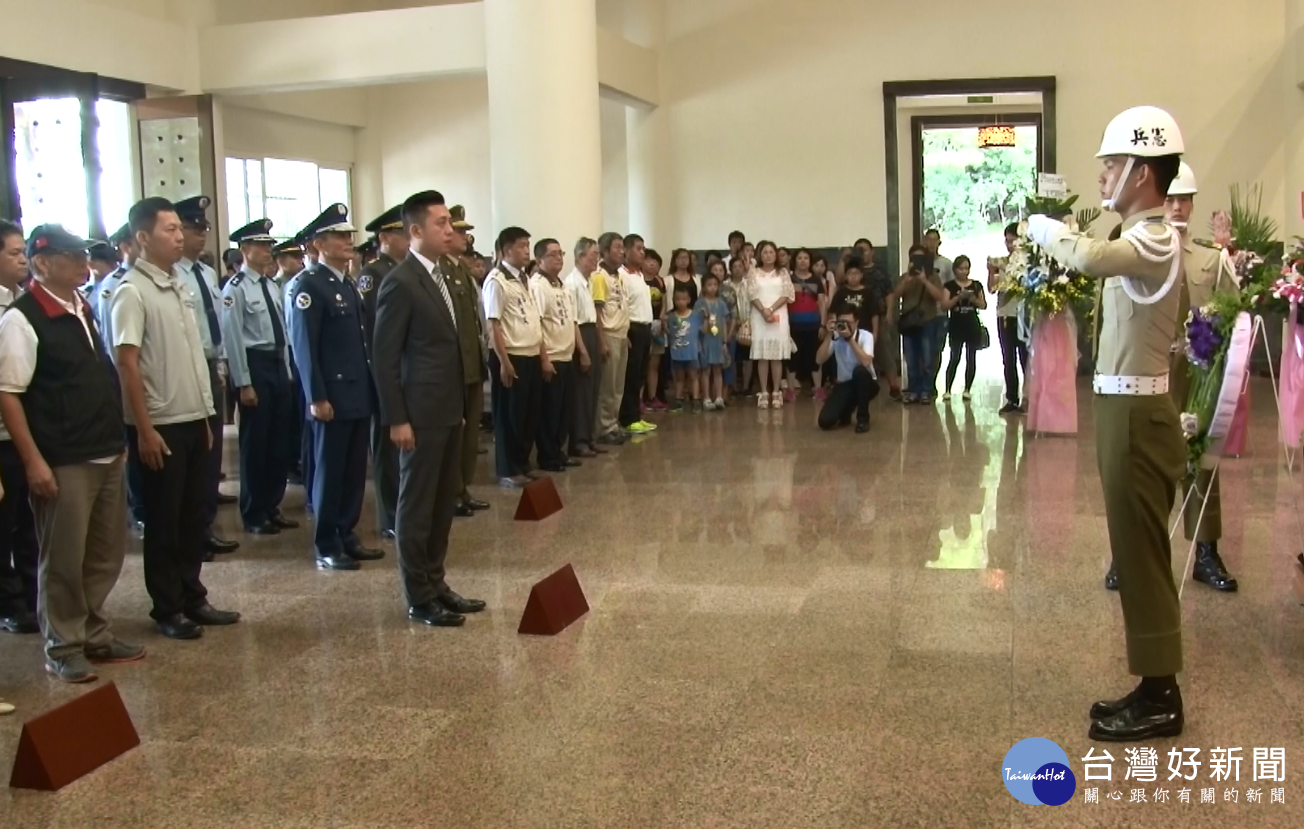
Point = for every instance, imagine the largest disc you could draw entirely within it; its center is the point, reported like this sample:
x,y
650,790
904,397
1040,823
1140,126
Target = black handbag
x,y
984,337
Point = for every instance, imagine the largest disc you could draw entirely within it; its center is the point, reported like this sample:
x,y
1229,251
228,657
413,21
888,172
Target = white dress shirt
x,y
577,284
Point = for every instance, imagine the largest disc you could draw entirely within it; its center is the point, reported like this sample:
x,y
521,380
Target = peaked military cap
x,y
103,252
194,211
121,235
289,246
391,219
458,213
259,230
372,245
334,219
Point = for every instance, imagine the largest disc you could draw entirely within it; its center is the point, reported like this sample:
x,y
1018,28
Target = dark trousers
x,y
300,434
640,346
265,449
516,414
216,424
966,345
1014,354
474,398
429,477
19,551
174,500
136,490
384,474
339,481
846,398
584,393
555,414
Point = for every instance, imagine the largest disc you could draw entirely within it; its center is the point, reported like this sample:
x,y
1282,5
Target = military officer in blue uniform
x,y
254,327
201,282
288,287
393,242
329,344
99,298
103,259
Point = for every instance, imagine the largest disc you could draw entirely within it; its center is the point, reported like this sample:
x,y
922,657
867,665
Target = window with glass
x,y
290,193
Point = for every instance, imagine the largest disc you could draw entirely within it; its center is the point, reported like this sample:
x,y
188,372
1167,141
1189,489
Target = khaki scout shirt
x,y
1133,340
517,314
469,331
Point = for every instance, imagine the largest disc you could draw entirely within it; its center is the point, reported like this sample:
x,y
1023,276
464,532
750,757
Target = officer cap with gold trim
x,y
290,247
194,211
121,236
458,212
390,220
259,230
334,219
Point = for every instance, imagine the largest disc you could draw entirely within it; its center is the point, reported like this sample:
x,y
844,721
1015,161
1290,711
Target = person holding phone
x,y
964,299
852,348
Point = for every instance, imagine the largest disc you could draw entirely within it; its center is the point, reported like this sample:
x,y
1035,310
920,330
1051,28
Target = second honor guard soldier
x,y
329,345
466,298
1139,443
254,324
201,281
392,237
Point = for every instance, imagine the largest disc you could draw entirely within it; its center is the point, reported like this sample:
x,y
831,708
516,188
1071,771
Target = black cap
x,y
259,230
334,219
390,220
370,246
289,246
194,211
103,252
54,239
121,235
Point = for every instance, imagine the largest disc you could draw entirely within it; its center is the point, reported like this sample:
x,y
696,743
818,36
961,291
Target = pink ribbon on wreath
x,y
1291,384
1234,444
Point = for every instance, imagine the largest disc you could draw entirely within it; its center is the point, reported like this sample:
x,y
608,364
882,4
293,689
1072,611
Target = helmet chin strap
x,y
1109,203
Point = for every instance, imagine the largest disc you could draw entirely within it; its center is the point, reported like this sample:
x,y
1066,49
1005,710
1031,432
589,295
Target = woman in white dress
x,y
770,290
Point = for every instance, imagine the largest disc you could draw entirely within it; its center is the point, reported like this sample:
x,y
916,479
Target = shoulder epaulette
x,y
1208,243
237,279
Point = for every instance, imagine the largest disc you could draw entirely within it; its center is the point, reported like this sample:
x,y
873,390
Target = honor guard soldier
x,y
289,263
329,343
254,324
201,282
1139,443
470,334
393,241
290,286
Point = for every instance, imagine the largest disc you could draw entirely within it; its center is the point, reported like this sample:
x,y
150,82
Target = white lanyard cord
x,y
1154,249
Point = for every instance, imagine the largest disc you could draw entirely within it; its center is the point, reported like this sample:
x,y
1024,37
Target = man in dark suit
x,y
417,360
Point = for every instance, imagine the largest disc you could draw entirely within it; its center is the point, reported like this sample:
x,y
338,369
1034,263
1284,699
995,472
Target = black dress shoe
x,y
476,505
284,523
574,462
1109,707
457,604
206,614
360,553
463,511
1209,568
179,627
1111,577
265,528
221,545
388,535
225,500
862,427
1145,718
21,622
337,562
207,557
435,616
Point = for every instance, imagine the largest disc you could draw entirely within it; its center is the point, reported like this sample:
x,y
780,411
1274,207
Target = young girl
x,y
714,312
685,352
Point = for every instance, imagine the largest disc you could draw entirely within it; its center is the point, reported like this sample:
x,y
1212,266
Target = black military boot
x,y
1111,578
1154,709
1209,568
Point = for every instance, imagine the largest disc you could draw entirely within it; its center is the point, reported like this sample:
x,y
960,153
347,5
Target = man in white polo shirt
x,y
167,404
640,337
588,378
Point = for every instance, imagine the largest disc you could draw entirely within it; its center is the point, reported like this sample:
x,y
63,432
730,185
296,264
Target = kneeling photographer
x,y
853,349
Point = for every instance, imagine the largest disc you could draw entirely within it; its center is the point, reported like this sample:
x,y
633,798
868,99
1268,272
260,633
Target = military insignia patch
x,y
104,294
228,301
364,284
303,301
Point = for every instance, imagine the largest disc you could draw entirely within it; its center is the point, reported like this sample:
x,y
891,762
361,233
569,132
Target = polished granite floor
x,y
788,629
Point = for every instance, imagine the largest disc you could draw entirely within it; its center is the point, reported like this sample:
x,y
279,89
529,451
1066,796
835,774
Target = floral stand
x,y
1052,375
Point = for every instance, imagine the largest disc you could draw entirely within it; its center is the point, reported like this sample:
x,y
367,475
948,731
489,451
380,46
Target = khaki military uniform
x,y
384,454
1139,445
466,302
1204,275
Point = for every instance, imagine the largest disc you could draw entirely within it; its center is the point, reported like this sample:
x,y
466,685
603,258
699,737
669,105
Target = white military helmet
x,y
1143,132
1184,184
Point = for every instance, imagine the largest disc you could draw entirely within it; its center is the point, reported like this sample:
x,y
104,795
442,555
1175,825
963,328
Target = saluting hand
x,y
403,437
153,449
248,397
323,411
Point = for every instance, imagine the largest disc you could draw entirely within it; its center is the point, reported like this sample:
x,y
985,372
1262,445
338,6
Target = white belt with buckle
x,y
1131,386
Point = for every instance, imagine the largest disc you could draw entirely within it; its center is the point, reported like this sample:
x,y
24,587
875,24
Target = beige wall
x,y
775,114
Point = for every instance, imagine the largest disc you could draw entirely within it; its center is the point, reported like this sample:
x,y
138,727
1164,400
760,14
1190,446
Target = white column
x,y
644,140
545,144
1293,108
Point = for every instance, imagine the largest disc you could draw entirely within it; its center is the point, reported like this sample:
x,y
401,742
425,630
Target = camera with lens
x,y
842,329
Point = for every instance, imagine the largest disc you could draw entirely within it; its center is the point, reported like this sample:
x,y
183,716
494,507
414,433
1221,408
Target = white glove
x,y
1042,228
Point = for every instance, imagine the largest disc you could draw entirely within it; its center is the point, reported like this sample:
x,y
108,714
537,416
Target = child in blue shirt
x,y
685,335
714,311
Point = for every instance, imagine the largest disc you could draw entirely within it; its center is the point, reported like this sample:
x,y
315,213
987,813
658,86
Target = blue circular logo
x,y
1036,771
